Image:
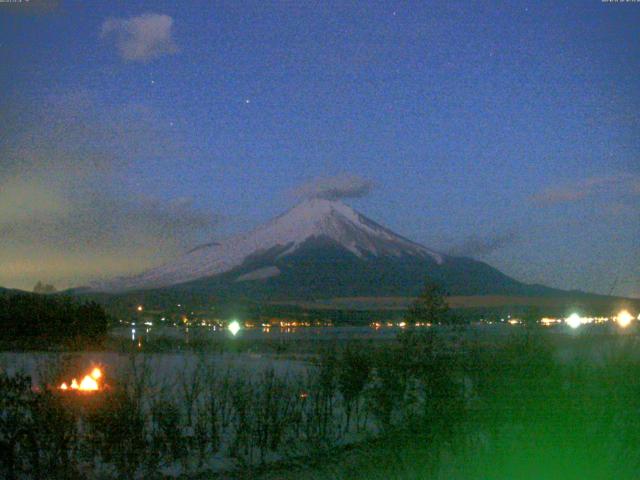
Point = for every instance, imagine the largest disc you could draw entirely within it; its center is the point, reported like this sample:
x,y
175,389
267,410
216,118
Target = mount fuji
x,y
319,249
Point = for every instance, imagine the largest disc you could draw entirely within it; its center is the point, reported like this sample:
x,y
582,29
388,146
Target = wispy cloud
x,y
622,184
30,7
142,38
478,246
104,223
63,218
335,188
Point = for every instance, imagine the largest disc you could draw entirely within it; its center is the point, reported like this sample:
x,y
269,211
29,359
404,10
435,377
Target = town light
x,y
624,318
574,320
234,327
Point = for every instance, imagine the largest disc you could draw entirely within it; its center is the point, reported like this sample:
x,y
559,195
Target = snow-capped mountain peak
x,y
312,219
342,224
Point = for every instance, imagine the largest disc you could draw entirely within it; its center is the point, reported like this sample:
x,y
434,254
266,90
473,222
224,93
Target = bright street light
x,y
234,327
574,320
624,318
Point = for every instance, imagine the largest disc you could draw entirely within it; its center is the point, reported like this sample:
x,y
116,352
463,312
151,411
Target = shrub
x,y
353,374
18,452
117,432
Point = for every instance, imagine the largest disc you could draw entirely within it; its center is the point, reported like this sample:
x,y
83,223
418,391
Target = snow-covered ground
x,y
162,368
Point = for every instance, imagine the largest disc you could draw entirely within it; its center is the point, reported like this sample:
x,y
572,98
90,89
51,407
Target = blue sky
x,y
508,132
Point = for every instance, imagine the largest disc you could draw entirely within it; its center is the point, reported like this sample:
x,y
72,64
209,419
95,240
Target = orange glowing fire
x,y
89,383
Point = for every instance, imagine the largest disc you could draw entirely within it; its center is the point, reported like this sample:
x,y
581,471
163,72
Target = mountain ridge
x,y
314,218
319,249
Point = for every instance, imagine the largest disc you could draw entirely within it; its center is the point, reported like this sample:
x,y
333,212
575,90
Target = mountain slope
x,y
322,269
320,249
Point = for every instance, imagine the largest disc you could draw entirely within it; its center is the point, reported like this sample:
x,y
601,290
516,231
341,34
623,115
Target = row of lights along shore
x,y
623,319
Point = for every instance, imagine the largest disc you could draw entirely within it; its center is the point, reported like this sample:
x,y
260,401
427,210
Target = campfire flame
x,y
89,383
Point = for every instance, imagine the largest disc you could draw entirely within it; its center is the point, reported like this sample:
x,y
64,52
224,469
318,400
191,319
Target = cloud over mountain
x,y
335,188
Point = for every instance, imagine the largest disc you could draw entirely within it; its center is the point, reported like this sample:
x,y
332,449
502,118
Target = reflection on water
x,y
261,333
375,331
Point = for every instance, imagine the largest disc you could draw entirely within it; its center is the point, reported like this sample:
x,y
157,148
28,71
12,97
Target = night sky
x,y
506,131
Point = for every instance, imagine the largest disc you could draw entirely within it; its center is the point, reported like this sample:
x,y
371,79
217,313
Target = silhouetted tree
x,y
430,307
29,318
44,288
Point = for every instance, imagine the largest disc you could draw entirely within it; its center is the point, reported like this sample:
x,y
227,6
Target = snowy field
x,y
161,369
214,397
